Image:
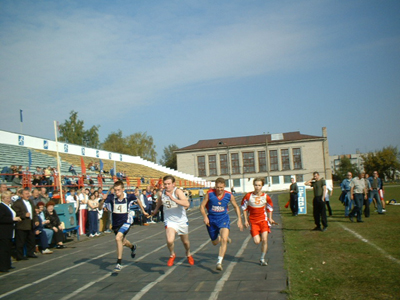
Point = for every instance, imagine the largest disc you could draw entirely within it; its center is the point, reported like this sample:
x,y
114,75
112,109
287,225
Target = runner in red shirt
x,y
257,211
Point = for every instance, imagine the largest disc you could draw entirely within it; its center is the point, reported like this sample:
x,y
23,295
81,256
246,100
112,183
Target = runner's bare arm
x,y
237,210
203,210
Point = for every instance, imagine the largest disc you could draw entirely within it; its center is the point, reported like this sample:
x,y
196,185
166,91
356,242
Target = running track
x,y
83,270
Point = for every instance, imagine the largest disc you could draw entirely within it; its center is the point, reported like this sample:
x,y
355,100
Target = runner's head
x,y
169,183
220,186
258,183
119,189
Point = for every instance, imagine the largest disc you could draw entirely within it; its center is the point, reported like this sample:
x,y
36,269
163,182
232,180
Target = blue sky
x,y
183,71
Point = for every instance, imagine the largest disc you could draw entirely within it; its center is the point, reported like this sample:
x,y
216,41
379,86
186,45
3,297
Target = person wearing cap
x,y
54,224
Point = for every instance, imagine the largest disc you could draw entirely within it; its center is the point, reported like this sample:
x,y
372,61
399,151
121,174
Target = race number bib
x,y
120,208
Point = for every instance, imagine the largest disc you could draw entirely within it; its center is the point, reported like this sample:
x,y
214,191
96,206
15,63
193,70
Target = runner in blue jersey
x,y
122,219
218,223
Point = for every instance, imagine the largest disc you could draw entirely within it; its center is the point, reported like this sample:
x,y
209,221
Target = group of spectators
x,y
361,191
27,217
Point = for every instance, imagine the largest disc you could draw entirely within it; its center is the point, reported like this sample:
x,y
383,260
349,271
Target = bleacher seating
x,y
17,155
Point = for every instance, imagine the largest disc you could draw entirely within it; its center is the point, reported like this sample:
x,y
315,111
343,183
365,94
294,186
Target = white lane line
x,y
360,237
52,275
220,284
148,287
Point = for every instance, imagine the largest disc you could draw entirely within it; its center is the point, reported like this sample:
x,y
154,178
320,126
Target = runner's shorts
x,y
180,228
124,229
216,223
259,227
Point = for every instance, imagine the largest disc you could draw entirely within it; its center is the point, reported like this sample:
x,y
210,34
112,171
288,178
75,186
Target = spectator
x,y
41,215
294,196
329,193
83,199
43,196
72,170
319,209
35,196
7,219
93,205
3,188
375,184
25,209
54,224
105,218
7,174
16,180
345,186
145,204
41,234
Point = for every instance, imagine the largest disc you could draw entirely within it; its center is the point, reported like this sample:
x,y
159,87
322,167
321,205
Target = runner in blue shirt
x,y
122,219
218,223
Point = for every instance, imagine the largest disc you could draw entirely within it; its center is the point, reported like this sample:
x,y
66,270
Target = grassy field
x,y
349,260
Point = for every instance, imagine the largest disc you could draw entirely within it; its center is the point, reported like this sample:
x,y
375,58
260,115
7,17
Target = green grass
x,y
336,264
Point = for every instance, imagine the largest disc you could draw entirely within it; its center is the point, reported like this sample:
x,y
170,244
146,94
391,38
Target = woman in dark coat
x,y
55,224
7,219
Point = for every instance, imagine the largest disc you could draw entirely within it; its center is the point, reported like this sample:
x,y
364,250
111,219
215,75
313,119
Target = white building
x,y
241,159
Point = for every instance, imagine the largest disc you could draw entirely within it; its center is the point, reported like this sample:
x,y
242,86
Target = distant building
x,y
241,159
356,159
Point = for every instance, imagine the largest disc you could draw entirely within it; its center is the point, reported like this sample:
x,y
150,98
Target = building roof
x,y
250,141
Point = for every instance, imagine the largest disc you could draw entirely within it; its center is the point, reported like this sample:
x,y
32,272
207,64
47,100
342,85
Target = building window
x,y
236,182
212,165
299,178
223,163
287,178
273,158
266,180
275,179
235,163
285,159
248,162
262,162
297,159
201,166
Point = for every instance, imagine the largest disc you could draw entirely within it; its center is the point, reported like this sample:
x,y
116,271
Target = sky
x,y
184,71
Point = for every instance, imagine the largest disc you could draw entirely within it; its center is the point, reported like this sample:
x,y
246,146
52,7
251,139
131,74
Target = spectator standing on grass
x,y
358,192
345,186
329,193
375,182
294,197
367,199
319,210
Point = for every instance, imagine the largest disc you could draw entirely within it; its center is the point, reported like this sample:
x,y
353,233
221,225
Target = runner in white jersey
x,y
175,220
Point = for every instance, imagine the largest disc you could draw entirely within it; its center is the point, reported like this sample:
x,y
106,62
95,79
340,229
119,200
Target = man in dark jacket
x,y
294,195
25,209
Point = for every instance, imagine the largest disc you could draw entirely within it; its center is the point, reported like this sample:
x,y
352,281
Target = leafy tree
x,y
169,157
73,131
137,144
385,161
345,166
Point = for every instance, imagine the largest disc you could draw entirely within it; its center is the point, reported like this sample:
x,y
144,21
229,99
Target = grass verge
x,y
337,264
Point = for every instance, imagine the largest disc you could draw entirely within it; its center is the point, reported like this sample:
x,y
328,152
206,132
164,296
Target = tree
x,y
137,144
385,161
169,157
345,166
73,131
